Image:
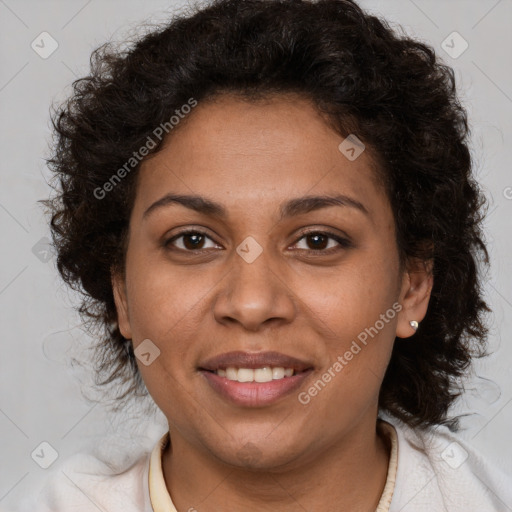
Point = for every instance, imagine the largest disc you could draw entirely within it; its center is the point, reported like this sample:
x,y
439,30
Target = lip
x,y
255,394
254,360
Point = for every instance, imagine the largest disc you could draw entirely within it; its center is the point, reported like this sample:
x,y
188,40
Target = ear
x,y
415,293
121,301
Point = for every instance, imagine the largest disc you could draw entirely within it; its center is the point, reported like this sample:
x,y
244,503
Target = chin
x,y
255,456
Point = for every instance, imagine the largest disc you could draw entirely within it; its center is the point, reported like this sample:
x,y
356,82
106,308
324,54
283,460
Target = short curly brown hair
x,y
388,88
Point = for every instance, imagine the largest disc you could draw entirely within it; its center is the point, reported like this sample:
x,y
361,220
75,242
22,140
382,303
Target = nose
x,y
254,295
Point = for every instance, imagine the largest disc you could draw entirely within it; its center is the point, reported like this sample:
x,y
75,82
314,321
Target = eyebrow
x,y
293,207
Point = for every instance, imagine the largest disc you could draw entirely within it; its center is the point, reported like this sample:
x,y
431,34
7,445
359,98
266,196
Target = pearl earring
x,y
414,324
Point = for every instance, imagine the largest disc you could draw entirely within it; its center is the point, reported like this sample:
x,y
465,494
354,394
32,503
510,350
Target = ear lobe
x,y
415,296
121,302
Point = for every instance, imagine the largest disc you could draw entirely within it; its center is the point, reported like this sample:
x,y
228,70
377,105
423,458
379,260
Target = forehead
x,y
256,152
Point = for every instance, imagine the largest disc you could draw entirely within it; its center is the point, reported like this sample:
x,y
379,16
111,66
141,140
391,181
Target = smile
x,y
240,386
265,374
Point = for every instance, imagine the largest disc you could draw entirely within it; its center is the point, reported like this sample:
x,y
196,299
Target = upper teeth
x,y
265,374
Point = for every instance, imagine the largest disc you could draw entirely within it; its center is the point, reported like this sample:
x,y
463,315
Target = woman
x,y
270,209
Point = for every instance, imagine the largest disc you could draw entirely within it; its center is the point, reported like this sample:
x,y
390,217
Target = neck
x,y
347,476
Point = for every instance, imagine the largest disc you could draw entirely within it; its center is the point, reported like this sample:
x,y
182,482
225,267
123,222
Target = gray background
x,y
41,399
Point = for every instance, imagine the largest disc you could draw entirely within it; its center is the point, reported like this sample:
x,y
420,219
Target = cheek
x,y
357,346
354,311
166,307
353,296
164,301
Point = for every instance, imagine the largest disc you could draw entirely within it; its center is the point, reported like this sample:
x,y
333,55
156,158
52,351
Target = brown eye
x,y
193,241
190,241
317,241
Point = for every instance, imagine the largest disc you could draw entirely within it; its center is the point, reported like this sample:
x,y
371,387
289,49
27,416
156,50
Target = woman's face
x,y
264,270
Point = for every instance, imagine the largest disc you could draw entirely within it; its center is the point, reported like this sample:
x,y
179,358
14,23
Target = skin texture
x,y
252,157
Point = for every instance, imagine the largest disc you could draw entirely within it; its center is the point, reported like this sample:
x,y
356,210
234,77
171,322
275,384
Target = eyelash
x,y
344,243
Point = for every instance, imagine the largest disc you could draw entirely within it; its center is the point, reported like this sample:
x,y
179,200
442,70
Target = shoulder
x,y
83,482
437,470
